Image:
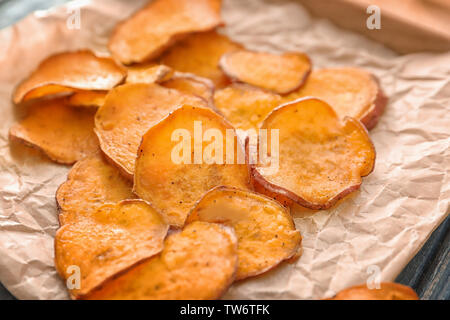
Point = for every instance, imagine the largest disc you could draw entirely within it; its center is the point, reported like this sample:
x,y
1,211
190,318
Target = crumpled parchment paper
x,y
380,228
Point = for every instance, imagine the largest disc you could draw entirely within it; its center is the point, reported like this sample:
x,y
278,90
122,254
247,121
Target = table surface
x,y
407,26
428,273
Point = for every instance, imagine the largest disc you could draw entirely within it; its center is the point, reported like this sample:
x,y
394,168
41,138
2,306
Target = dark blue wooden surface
x,y
428,273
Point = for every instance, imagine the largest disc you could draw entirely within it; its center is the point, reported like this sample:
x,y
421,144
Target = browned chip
x,y
245,106
197,263
172,173
387,291
128,112
200,54
87,98
264,228
189,83
279,73
91,183
148,73
350,91
321,159
158,25
108,241
64,133
69,72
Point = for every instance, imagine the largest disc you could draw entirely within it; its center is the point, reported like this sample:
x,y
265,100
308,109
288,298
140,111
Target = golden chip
x,y
158,25
64,133
91,183
245,106
192,84
148,73
197,263
69,72
87,98
387,291
264,228
128,112
108,241
188,153
48,91
279,73
199,54
321,159
351,92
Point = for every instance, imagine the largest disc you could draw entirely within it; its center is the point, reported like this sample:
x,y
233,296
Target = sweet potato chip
x,y
192,84
107,241
148,73
64,133
264,228
88,98
387,291
128,112
351,92
177,163
321,158
245,106
199,54
279,73
50,91
158,25
69,72
91,183
197,263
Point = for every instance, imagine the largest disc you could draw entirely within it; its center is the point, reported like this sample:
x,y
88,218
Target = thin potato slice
x,y
351,92
281,74
148,73
264,228
199,54
158,25
172,177
197,263
108,241
387,291
69,72
91,183
64,133
49,91
128,112
245,106
189,83
88,98
321,159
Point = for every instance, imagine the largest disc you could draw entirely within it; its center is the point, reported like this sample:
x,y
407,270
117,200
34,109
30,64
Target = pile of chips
x,y
140,225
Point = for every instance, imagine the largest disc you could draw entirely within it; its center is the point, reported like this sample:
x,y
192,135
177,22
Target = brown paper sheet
x,y
379,228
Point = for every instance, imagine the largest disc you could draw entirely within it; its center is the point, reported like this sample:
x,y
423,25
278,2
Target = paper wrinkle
x,y
384,224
